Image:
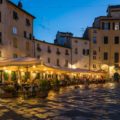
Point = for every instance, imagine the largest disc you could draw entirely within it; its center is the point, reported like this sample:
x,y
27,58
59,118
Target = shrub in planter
x,y
116,76
26,76
9,92
44,86
55,84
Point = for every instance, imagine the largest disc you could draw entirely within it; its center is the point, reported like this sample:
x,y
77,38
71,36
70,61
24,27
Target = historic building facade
x,y
96,50
16,31
67,51
104,38
54,55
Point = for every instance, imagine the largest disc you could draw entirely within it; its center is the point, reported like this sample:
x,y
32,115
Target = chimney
x,y
20,4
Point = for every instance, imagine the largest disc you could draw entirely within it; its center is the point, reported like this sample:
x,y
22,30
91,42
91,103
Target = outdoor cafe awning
x,y
19,61
23,62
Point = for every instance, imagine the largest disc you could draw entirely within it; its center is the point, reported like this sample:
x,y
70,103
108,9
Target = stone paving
x,y
91,103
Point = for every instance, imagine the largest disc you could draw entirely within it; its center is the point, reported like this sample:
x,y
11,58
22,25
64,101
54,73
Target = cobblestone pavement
x,y
94,102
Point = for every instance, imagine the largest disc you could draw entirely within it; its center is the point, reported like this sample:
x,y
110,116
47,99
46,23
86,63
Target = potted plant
x,y
55,84
44,86
116,77
8,91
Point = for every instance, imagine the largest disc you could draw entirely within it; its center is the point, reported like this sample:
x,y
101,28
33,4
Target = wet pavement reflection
x,y
93,102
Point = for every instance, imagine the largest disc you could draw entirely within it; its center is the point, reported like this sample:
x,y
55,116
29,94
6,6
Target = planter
x,y
8,92
42,94
8,95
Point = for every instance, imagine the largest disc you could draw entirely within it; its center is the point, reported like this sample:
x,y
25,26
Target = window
x,y
66,52
0,54
48,60
25,34
88,51
28,22
116,57
116,40
15,55
94,57
105,40
58,52
0,17
1,1
99,49
15,15
49,49
38,48
83,51
66,63
94,66
105,25
105,56
0,37
94,31
30,36
94,40
116,26
27,46
15,43
14,30
76,41
76,51
58,62
94,52
113,26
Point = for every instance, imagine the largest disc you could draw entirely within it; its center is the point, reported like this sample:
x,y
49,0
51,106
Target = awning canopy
x,y
71,70
19,61
29,62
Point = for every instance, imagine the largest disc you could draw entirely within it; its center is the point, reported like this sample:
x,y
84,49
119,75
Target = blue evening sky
x,y
64,15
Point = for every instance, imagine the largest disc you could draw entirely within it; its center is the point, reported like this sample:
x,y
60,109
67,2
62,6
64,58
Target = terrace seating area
x,y
29,76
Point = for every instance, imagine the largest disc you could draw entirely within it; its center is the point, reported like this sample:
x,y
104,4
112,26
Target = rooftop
x,y
114,6
51,43
20,8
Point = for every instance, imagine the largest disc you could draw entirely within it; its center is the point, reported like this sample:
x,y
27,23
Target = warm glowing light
x,y
22,73
4,68
9,71
34,66
74,66
51,72
105,67
21,70
6,71
33,74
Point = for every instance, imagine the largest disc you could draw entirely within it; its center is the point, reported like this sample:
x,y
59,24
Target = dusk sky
x,y
64,15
